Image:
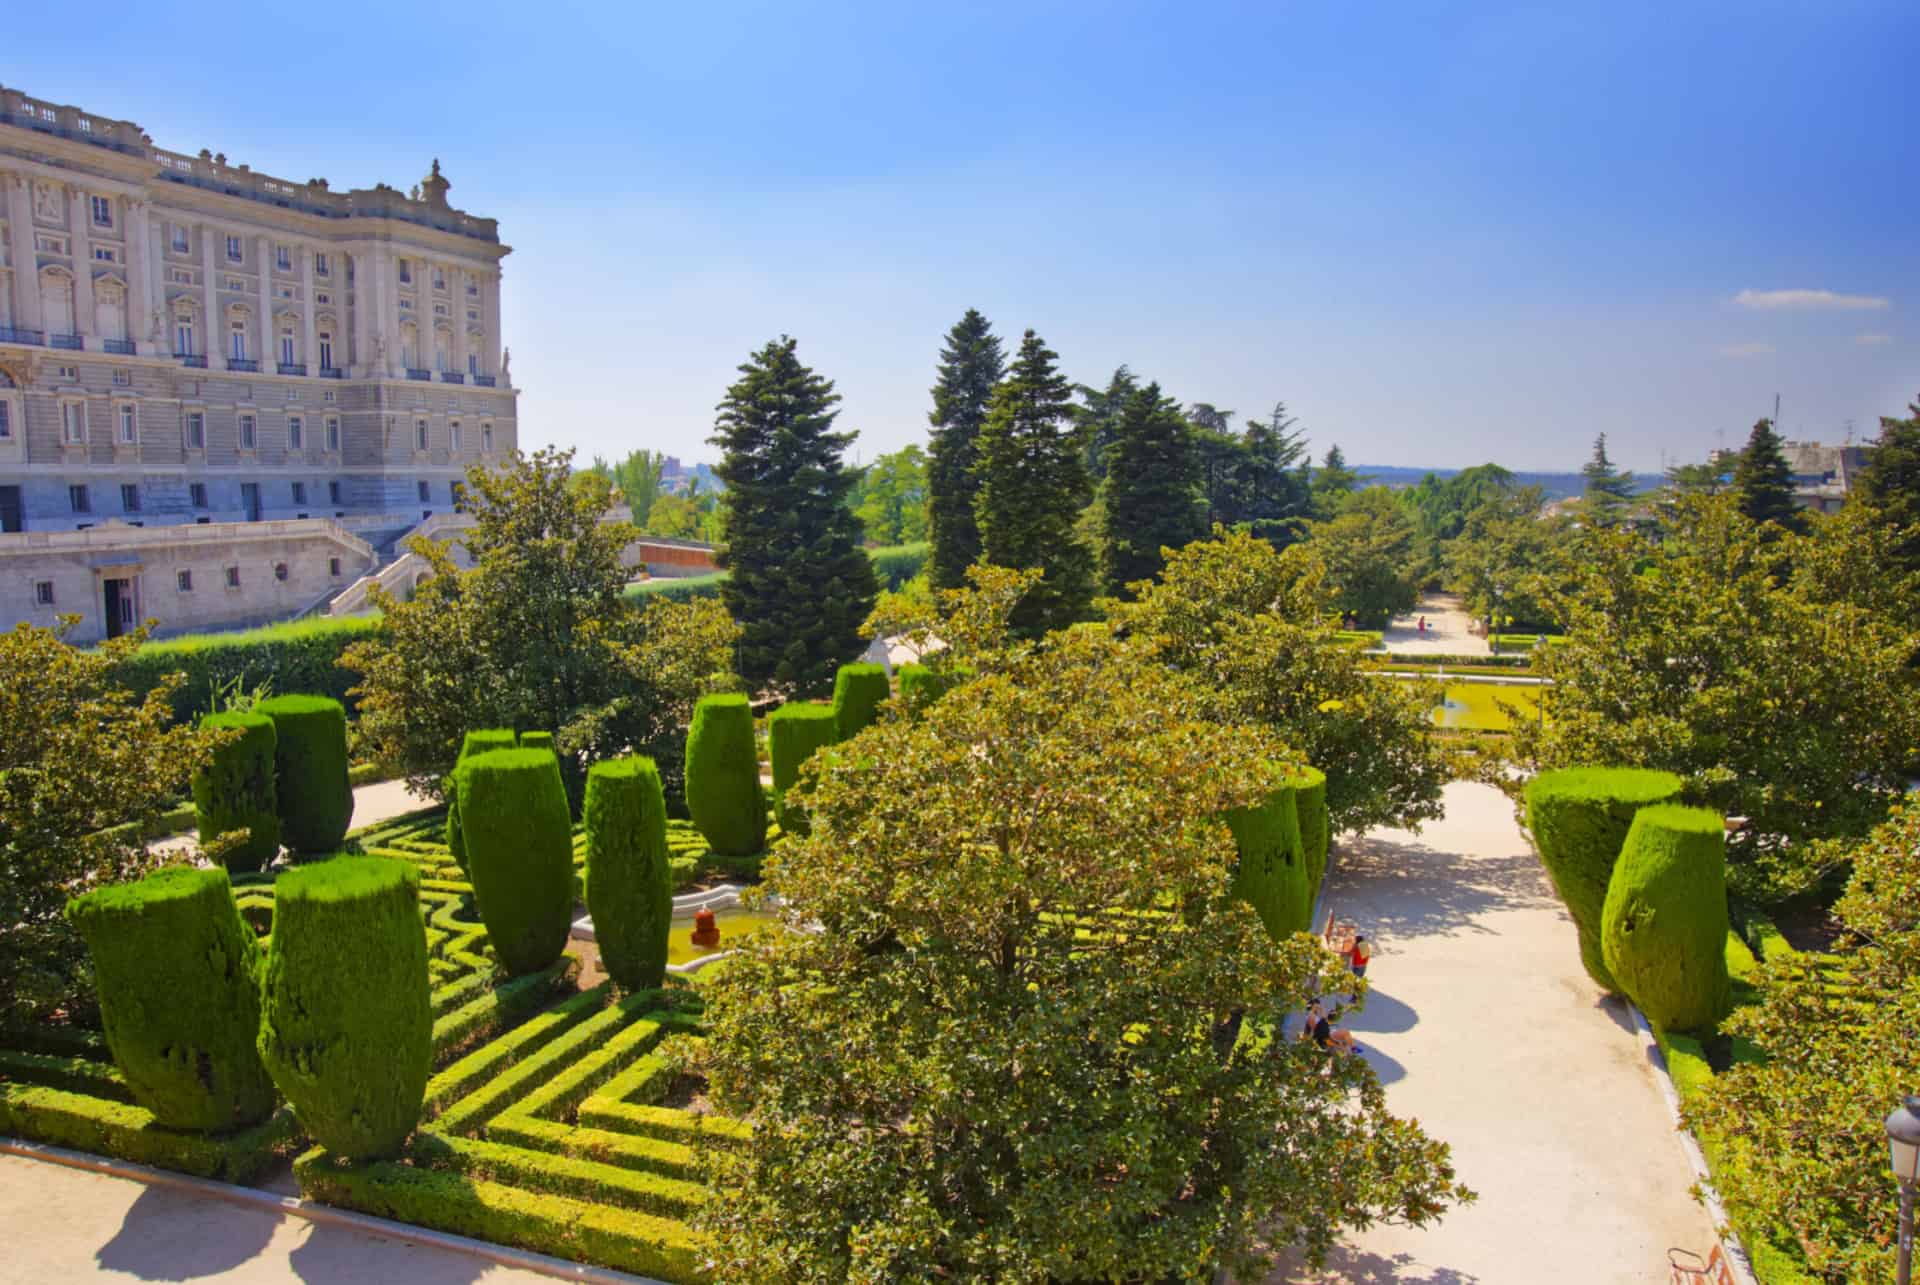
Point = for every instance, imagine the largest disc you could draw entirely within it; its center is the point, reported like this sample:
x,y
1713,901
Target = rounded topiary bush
x,y
723,776
794,732
475,742
346,1022
1271,872
629,885
235,791
310,770
519,837
1579,817
858,692
178,974
1663,929
1309,786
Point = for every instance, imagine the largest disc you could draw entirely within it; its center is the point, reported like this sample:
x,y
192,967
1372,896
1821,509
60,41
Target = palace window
x,y
406,273
333,493
453,437
181,277
238,341
122,379
420,434
325,339
333,567
233,577
130,497
197,439
283,258
73,423
286,345
299,492
105,254
43,593
183,337
473,363
6,422
197,494
184,581
426,492
296,433
320,266
439,279
333,437
236,285
78,499
181,243
102,211
234,253
486,439
247,432
129,426
473,287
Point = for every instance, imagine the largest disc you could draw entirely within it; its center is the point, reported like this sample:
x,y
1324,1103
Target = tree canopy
x,y
890,497
971,364
1372,561
1151,501
1763,482
1609,491
1889,487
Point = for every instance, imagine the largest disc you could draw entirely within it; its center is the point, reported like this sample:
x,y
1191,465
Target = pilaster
x,y
78,220
269,354
26,261
210,338
308,352
139,282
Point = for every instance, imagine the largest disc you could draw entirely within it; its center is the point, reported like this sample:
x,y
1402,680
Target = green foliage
x,y
1439,507
1332,483
723,776
1663,929
1889,487
798,582
890,497
1150,489
1371,562
1579,818
971,364
1309,786
629,889
858,692
1270,872
1608,491
1032,485
1763,481
298,656
1503,558
179,980
635,481
519,837
346,1026
895,565
86,769
536,741
794,732
475,742
921,685
678,588
310,771
235,791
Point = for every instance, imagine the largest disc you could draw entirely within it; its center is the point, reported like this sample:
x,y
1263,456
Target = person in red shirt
x,y
1358,957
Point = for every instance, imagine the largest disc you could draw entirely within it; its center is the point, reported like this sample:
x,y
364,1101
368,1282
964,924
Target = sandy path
x,y
1446,634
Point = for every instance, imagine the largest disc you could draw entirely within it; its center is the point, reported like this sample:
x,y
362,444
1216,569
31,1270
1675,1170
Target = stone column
x,y
78,221
308,353
26,262
139,281
457,305
210,338
490,314
269,354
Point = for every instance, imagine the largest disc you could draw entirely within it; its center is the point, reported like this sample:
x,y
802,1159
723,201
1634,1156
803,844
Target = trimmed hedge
x,y
1579,818
178,976
300,656
346,1018
858,692
679,588
895,564
476,742
794,732
537,741
519,837
1309,786
1271,873
922,685
723,776
1663,929
235,791
629,887
310,771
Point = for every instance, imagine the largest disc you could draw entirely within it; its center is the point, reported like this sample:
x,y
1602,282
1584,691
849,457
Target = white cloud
x,y
1745,350
1824,300
1872,341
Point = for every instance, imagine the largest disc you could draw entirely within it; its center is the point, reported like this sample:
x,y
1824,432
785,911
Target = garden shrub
x,y
310,770
922,685
536,740
477,742
1579,817
723,776
858,691
1309,786
1663,929
1271,873
178,975
794,732
519,837
895,564
629,887
299,656
235,791
346,1019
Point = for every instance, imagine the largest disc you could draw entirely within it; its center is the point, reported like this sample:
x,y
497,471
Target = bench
x,y
1714,1271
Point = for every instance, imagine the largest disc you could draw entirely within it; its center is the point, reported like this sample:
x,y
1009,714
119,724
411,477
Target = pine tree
x,y
1889,487
1033,484
1608,491
800,585
1098,418
1332,483
1151,500
1272,489
1763,481
970,365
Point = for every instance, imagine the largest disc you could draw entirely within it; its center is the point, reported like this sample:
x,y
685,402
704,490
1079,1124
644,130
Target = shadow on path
x,y
330,1255
161,1239
1403,888
1359,1267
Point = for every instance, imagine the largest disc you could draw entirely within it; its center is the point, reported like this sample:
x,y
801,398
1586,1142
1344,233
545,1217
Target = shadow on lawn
x,y
1397,889
169,1235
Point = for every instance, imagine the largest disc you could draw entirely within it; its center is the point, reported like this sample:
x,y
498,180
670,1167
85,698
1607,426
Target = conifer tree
x,y
1099,418
1889,487
1151,497
1762,480
971,364
1332,483
800,585
1608,490
1033,484
1272,484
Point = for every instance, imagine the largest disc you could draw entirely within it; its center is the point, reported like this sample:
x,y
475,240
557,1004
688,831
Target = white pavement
x,y
1446,635
1485,1028
372,804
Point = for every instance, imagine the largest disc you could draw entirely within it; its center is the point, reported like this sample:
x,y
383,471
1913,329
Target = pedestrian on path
x,y
1358,957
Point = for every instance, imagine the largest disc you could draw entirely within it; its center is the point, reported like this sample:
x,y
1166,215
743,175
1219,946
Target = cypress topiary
x,y
235,790
536,740
477,742
310,770
1309,786
858,691
1579,817
1271,873
723,776
922,685
519,836
1663,930
346,1022
794,732
178,974
629,886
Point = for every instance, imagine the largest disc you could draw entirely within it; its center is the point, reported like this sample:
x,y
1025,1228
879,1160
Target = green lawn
x,y
1483,707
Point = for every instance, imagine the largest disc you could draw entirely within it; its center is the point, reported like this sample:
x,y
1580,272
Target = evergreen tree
x,y
1332,483
1889,488
971,364
1099,418
800,585
1762,481
1150,489
1033,484
1608,491
1272,487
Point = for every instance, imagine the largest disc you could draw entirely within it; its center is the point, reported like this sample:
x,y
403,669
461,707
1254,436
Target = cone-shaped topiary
x,y
519,837
1663,930
310,770
858,691
1271,873
723,776
536,740
477,742
794,732
1309,785
346,1022
235,791
178,973
1579,817
629,886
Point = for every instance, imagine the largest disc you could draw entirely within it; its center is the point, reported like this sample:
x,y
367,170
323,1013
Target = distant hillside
x,y
1556,485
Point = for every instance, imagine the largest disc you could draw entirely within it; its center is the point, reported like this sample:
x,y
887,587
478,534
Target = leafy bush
x,y
1271,872
922,685
895,564
519,837
1309,786
236,790
723,776
346,1021
858,692
475,742
794,732
310,770
1663,930
1579,818
178,974
299,656
629,888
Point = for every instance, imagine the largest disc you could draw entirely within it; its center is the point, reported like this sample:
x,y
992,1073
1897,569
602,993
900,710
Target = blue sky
x,y
1442,233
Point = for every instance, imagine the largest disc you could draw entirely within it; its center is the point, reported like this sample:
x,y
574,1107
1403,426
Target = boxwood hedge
x,y
858,692
1271,873
794,732
519,838
723,776
310,771
476,742
629,886
1663,929
235,791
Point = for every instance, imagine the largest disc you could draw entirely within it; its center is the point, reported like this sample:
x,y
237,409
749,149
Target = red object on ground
x,y
705,931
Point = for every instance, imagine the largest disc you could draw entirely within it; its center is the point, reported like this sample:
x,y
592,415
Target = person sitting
x,y
1338,1041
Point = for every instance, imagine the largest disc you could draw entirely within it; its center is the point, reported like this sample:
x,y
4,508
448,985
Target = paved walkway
x,y
382,801
1446,634
1486,1029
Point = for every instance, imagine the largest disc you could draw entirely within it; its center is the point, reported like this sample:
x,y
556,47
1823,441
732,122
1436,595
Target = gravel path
x,y
1446,634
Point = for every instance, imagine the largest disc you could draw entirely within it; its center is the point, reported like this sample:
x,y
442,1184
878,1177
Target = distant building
x,y
1823,476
